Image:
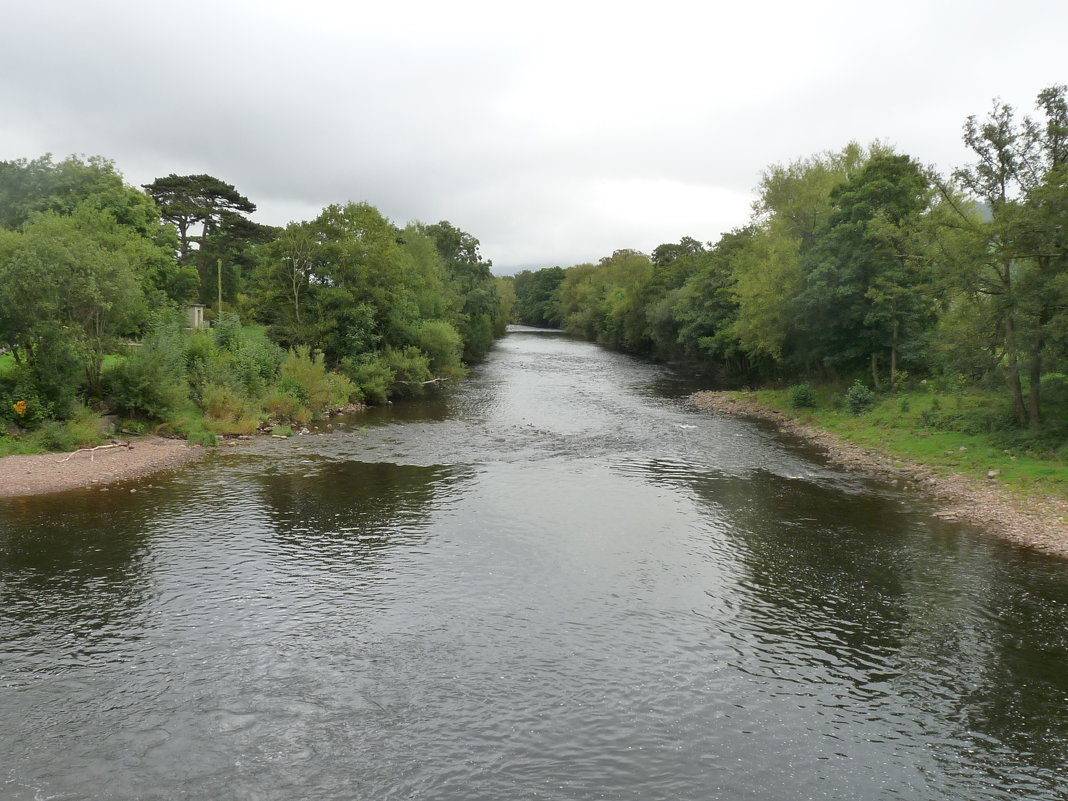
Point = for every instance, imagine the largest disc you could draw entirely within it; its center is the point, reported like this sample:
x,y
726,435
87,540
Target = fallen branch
x,y
127,444
437,380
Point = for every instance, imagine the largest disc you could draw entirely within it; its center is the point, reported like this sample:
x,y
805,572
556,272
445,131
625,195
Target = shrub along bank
x,y
225,381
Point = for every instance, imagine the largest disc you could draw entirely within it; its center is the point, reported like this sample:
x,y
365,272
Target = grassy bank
x,y
967,432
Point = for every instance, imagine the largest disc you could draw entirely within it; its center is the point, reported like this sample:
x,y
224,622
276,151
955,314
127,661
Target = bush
x,y
20,403
57,376
14,445
241,357
85,428
151,381
306,378
295,388
54,436
858,398
410,368
247,367
256,363
371,376
227,331
281,405
227,412
33,394
199,346
802,397
81,431
191,427
443,346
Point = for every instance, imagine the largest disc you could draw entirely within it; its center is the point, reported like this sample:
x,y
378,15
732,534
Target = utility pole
x,y
219,262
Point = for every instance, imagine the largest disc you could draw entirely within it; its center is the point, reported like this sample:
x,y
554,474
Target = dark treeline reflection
x,y
351,509
853,598
73,565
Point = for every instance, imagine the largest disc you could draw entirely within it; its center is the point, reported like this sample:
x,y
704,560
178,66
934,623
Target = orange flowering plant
x,y
19,407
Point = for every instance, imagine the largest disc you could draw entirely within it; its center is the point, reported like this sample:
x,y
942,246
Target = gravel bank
x,y
51,472
1037,523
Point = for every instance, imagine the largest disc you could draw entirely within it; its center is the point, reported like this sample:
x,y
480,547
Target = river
x,y
555,581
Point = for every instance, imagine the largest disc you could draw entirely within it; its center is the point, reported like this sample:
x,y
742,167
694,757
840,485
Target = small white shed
x,y
196,315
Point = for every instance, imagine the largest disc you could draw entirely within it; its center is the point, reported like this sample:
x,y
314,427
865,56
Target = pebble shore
x,y
41,473
1038,523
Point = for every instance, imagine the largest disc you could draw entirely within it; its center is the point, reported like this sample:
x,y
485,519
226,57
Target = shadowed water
x,y
557,582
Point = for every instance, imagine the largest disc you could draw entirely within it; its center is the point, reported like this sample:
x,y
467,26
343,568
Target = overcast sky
x,y
555,132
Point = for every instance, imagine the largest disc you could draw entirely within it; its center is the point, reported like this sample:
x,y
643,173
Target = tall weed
x,y
151,381
305,377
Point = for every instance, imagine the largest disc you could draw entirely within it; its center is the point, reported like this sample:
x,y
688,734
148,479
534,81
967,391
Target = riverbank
x,y
39,473
1034,521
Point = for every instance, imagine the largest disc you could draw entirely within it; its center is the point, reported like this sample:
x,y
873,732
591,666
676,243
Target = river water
x,y
556,581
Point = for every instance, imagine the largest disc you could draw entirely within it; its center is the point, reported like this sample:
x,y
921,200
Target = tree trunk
x,y
1012,377
874,370
1034,374
893,360
183,240
296,295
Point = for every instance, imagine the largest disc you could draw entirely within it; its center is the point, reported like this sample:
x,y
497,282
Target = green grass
x,y
7,362
81,431
191,424
949,432
10,446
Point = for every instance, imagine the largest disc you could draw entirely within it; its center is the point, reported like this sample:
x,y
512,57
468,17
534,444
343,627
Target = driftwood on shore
x,y
39,473
91,451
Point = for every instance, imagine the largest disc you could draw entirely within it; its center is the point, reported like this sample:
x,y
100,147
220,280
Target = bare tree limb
x,y
126,444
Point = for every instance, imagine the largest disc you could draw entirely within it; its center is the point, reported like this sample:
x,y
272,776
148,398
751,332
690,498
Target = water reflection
x,y
554,581
74,572
350,510
933,640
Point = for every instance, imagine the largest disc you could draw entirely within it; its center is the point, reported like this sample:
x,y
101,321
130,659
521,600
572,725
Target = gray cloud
x,y
555,133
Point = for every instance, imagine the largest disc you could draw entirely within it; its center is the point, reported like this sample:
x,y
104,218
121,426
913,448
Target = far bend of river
x,y
556,581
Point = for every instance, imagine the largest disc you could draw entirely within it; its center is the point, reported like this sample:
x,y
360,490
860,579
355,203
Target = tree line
x,y
96,275
859,263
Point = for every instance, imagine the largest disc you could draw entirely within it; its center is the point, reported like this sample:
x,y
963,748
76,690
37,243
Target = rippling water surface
x,y
556,582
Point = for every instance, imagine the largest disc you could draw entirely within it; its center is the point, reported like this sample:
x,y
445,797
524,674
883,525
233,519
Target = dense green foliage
x,y
855,266
343,308
536,299
861,265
